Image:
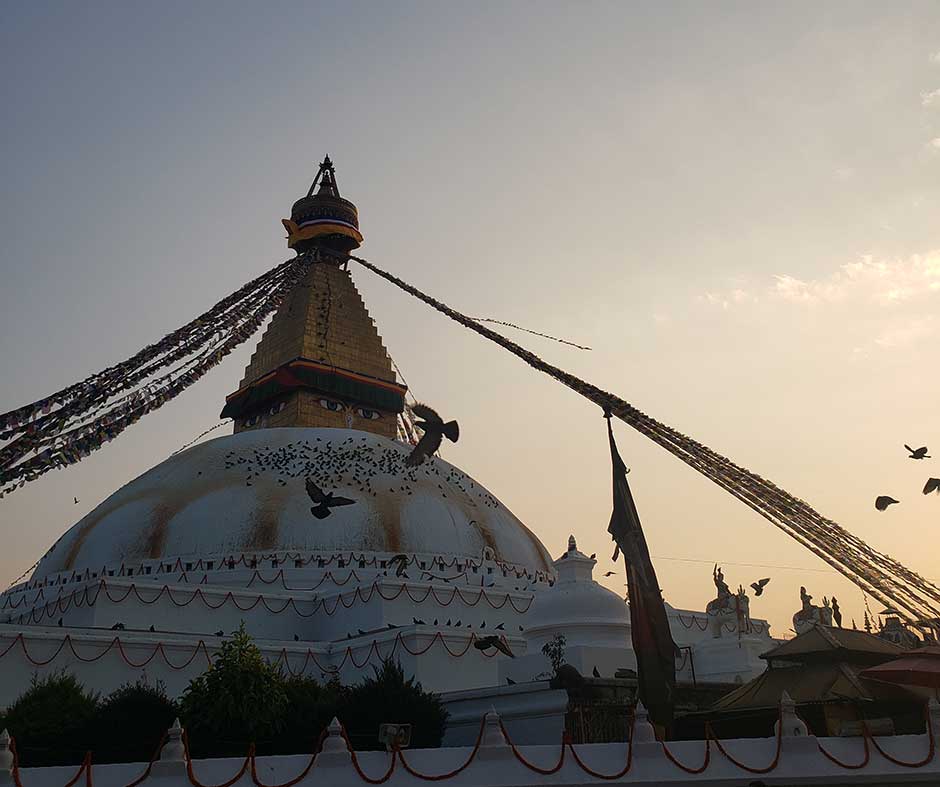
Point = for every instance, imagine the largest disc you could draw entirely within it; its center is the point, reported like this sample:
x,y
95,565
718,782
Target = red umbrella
x,y
920,667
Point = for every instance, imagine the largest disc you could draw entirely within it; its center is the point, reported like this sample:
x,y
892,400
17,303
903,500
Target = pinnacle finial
x,y
326,178
572,544
173,750
6,754
335,742
643,731
323,217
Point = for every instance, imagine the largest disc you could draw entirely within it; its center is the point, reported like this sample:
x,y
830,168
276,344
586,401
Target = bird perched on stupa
x,y
917,453
324,500
435,430
883,501
483,643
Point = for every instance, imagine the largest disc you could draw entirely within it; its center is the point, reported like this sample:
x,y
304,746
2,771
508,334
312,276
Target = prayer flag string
x,y
64,427
877,574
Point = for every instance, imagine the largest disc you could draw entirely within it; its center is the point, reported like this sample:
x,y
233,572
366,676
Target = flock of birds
x,y
359,464
933,484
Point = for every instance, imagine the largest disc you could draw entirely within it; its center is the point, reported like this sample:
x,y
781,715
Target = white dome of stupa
x,y
245,494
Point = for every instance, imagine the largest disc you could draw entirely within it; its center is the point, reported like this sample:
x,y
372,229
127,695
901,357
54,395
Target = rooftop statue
x,y
727,611
810,614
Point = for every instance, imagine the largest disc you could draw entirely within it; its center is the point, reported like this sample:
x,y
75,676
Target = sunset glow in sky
x,y
734,204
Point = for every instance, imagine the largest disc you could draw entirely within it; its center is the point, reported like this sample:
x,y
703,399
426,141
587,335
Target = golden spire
x,y
321,361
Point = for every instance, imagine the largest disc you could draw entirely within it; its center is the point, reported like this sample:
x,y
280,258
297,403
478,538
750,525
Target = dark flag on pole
x,y
652,640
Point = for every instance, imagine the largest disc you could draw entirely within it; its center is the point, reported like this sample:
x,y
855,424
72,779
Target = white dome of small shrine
x,y
246,493
578,607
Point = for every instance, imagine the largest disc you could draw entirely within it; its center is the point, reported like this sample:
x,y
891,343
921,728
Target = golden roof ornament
x,y
323,219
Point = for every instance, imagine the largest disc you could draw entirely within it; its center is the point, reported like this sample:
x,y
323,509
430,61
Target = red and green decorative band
x,y
321,378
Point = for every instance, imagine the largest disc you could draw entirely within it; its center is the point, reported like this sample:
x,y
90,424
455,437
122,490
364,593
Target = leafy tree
x,y
240,700
554,651
131,721
311,706
389,697
52,721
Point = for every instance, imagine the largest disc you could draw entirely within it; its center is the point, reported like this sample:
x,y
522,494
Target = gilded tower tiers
x,y
321,361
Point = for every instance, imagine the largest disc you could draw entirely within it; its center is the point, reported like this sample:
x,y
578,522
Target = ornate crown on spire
x,y
324,219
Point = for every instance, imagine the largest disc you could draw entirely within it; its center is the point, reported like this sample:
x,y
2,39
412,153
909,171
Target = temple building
x,y
420,565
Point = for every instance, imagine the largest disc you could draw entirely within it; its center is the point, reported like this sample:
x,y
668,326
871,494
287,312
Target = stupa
x,y
422,564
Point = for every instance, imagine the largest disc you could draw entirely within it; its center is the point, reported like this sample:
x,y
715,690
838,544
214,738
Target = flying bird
x,y
917,453
324,500
932,485
759,586
400,561
610,573
75,499
883,501
435,430
483,643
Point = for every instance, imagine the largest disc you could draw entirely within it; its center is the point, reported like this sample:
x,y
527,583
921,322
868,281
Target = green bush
x,y
52,721
389,697
310,708
240,700
131,722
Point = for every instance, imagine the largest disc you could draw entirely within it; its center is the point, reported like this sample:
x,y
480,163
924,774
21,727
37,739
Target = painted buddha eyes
x,y
337,407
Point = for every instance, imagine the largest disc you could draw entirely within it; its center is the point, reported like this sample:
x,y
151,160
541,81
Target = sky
x,y
734,204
